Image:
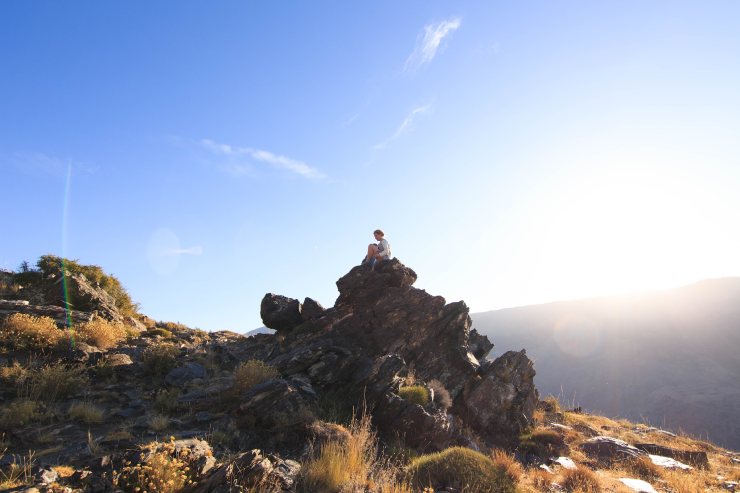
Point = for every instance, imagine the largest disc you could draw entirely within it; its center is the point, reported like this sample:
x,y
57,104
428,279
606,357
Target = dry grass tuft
x,y
158,422
508,464
644,468
19,413
101,333
342,464
52,382
418,394
86,412
17,473
581,479
22,331
251,373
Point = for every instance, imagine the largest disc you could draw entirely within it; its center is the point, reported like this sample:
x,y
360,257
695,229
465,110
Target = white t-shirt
x,y
384,249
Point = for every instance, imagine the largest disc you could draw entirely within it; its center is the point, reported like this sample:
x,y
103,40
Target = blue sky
x,y
206,153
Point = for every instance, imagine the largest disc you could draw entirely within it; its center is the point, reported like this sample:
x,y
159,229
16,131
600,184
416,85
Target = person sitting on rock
x,y
377,252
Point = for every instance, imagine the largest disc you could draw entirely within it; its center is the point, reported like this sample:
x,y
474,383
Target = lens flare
x,y
65,289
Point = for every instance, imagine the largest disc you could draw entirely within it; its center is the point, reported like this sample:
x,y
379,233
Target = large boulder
x,y
280,312
500,400
382,330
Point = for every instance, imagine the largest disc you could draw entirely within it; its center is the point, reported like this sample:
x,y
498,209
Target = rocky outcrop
x,y
380,330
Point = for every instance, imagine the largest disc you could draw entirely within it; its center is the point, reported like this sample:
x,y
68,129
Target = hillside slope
x,y
668,357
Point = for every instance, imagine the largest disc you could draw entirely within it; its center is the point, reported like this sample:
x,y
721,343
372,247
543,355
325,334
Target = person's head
x,y
378,233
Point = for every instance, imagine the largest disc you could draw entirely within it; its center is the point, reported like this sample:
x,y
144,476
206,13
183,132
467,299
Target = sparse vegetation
x,y
251,373
165,400
54,381
418,394
160,359
462,469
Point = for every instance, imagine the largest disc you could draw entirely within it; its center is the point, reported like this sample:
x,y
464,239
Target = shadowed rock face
x,y
380,330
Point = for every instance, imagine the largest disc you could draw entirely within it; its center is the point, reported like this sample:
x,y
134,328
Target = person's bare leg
x,y
372,251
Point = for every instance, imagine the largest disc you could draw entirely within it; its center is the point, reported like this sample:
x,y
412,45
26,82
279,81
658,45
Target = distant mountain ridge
x,y
668,357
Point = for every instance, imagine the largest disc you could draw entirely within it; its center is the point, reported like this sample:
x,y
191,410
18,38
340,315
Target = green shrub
x,y
418,394
462,469
251,373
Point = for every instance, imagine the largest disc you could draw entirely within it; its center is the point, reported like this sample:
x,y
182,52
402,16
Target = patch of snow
x,y
566,462
638,485
547,468
668,463
560,427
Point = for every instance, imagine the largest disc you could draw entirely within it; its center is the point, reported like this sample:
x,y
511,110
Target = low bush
x,y
166,401
52,382
159,359
581,479
462,469
418,394
101,333
158,422
161,469
19,413
86,412
26,332
251,373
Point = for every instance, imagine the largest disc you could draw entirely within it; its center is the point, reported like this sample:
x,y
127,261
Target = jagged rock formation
x,y
380,330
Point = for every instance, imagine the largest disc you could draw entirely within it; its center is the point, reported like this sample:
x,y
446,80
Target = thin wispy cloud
x,y
39,163
196,250
405,126
275,160
429,41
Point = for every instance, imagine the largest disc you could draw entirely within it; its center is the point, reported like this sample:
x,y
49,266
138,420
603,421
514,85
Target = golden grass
x,y
508,464
581,479
86,412
251,373
22,331
342,464
418,394
101,333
